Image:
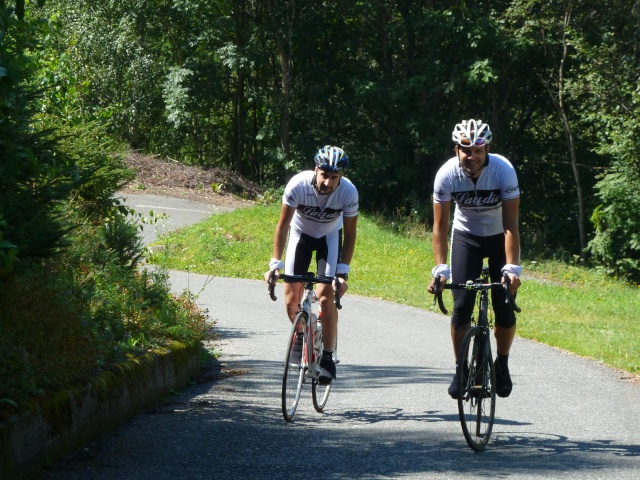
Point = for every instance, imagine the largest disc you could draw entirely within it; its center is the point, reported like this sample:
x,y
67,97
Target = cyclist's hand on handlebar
x,y
440,274
342,286
274,270
271,273
514,283
271,277
437,285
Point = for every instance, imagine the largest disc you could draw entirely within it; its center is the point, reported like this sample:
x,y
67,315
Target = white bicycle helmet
x,y
332,159
472,132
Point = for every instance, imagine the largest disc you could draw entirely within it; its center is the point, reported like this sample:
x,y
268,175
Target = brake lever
x,y
336,298
438,296
272,285
509,297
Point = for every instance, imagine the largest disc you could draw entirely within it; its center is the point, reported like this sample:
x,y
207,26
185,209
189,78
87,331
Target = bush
x,y
616,244
87,310
78,303
45,334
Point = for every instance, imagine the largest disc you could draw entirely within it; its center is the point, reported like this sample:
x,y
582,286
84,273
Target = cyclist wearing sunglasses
x,y
484,188
319,212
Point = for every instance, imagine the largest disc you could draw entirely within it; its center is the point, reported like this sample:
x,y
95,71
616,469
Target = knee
x,y
458,324
506,321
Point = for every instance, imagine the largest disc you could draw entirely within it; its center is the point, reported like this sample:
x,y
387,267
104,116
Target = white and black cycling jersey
x,y
478,203
319,215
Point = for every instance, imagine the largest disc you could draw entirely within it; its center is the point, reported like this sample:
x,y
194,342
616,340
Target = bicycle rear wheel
x,y
294,370
477,399
320,393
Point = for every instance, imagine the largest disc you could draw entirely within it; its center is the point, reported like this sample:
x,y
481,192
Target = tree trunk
x,y
285,16
238,100
560,104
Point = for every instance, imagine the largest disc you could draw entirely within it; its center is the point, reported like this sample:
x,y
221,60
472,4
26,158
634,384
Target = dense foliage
x,y
257,86
72,299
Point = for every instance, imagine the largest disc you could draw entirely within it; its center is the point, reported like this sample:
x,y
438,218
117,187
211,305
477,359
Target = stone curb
x,y
53,427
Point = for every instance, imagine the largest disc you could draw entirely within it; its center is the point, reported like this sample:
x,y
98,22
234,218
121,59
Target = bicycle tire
x,y
320,393
477,399
293,376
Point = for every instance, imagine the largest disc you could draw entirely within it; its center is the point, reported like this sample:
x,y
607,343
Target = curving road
x,y
389,415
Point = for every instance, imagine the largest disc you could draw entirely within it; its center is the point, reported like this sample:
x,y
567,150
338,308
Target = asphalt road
x,y
389,415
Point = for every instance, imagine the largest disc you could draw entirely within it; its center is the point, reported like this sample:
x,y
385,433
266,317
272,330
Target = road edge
x,y
55,426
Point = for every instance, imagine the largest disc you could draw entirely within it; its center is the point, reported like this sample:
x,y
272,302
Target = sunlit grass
x,y
563,306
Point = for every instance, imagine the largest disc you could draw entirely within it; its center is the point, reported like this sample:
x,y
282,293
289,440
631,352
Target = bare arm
x,y
440,239
511,237
280,236
348,246
349,240
282,229
511,231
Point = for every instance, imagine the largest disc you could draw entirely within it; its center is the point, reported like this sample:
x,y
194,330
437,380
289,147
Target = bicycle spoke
x,y
320,393
294,371
476,405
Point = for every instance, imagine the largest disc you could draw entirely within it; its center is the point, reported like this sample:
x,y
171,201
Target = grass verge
x,y
563,306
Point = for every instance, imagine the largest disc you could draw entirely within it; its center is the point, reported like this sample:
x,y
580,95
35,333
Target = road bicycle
x,y
475,370
306,329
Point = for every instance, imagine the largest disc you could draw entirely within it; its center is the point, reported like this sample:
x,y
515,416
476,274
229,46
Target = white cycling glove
x,y
512,269
342,269
276,264
441,270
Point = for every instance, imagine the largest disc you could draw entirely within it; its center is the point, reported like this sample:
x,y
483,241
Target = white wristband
x,y
512,269
342,269
276,264
441,270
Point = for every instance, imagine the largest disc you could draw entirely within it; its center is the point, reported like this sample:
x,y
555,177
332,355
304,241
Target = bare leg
x,y
292,295
504,339
457,337
329,315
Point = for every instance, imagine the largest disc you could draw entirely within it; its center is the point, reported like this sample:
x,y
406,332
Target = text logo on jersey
x,y
314,213
478,198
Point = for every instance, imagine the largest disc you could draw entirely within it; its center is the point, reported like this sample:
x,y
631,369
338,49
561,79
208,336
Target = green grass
x,y
572,308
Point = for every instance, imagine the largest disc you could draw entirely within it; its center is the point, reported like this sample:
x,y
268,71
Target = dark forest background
x,y
257,86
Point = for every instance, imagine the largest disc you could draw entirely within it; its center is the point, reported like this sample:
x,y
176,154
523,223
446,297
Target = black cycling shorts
x,y
467,256
300,249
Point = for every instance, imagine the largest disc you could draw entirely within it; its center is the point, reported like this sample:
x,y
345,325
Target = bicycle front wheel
x,y
295,364
320,393
477,399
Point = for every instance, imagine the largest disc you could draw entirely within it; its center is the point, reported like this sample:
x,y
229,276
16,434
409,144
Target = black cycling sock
x,y
327,353
503,359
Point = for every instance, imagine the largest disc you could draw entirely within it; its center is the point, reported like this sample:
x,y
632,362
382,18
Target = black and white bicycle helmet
x,y
472,132
332,159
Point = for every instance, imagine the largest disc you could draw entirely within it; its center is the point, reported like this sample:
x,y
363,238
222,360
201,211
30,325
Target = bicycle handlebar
x,y
308,277
477,286
272,285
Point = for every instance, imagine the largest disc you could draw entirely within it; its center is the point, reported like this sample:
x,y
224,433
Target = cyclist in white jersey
x,y
319,212
484,188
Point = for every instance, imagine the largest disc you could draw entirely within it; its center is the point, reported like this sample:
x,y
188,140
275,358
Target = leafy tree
x,y
258,86
33,178
53,152
616,244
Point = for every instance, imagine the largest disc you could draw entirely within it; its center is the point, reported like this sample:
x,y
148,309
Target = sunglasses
x,y
329,168
467,142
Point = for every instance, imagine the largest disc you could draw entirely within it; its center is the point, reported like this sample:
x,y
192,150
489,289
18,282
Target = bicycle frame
x,y
296,373
476,400
309,355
